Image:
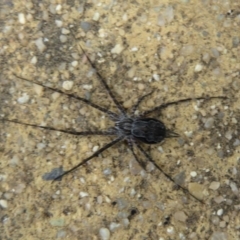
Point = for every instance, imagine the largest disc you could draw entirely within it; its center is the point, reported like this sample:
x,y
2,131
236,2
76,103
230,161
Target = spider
x,y
134,129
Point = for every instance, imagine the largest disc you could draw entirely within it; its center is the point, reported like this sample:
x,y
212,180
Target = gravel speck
x,y
21,18
67,85
24,99
214,185
104,233
3,203
40,45
209,123
117,49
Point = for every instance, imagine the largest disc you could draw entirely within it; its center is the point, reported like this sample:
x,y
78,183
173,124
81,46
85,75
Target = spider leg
x,y
104,83
130,144
167,175
108,145
164,105
104,110
135,107
84,133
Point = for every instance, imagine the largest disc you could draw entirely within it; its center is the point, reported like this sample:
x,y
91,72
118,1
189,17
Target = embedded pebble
x,y
156,77
180,216
236,143
220,212
14,160
95,148
131,72
117,49
122,203
74,63
40,45
34,60
214,185
215,53
83,194
186,50
228,135
219,236
113,226
86,26
209,123
57,222
87,86
59,23
196,189
198,68
63,38
234,187
24,99
38,90
96,16
61,234
21,18
193,174
104,233
125,222
65,31
170,230
3,203
206,57
235,41
107,171
169,14
67,85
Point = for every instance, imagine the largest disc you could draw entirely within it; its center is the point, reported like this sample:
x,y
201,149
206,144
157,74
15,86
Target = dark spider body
x,y
134,129
147,130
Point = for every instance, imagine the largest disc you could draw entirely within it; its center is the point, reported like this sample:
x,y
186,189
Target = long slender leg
x,y
135,107
92,156
167,175
119,106
130,145
109,132
104,110
164,105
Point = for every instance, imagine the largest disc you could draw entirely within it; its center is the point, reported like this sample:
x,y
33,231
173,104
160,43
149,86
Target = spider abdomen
x,y
148,130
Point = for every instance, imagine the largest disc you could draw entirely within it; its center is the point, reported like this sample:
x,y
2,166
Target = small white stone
x,y
34,60
134,49
74,63
96,16
95,148
59,23
87,86
188,133
3,203
170,230
156,77
220,212
65,31
21,18
58,7
104,233
40,45
67,85
117,49
193,174
198,68
214,185
63,38
24,99
83,194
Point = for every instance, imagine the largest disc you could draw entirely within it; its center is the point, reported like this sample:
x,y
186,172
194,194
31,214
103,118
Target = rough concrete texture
x,y
179,49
